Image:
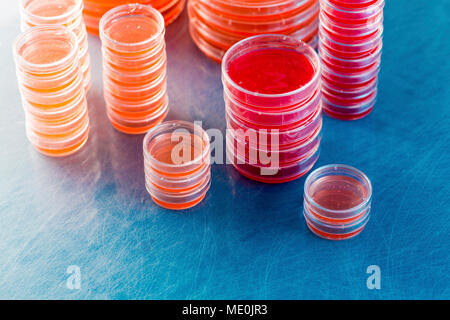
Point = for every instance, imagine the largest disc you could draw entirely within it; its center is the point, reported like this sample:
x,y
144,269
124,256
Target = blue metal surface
x,y
246,239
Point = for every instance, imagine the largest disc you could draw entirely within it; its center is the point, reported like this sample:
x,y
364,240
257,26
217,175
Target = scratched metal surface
x,y
246,239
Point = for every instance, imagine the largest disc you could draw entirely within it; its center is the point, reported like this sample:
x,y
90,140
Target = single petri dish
x,y
353,112
132,28
177,164
45,50
253,67
337,201
39,12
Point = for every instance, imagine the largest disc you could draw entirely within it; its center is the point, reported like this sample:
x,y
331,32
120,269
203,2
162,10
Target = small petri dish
x,y
177,164
350,93
337,201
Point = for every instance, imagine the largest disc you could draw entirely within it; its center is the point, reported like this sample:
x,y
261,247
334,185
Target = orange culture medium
x,y
134,67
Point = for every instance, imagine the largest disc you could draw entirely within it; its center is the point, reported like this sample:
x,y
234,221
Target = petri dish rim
x,y
170,126
313,175
131,9
376,6
23,38
77,8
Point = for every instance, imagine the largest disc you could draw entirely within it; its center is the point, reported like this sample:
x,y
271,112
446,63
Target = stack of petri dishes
x,y
215,25
350,45
51,85
273,107
95,9
177,164
337,201
67,13
134,67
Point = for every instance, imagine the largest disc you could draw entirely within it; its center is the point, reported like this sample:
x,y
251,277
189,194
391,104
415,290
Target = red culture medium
x,y
271,71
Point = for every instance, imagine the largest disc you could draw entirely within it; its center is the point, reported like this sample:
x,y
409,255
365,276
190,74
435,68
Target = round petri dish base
x,y
271,181
284,174
346,116
329,236
178,206
135,130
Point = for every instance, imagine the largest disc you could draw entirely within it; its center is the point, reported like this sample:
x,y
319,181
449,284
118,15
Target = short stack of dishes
x,y
177,164
350,46
95,9
215,25
273,134
52,90
337,201
134,67
67,13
